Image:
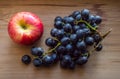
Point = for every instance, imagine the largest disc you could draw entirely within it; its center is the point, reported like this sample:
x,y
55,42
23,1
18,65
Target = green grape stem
x,y
89,26
51,50
103,37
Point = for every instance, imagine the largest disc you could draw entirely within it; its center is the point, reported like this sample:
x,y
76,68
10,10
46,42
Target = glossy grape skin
x,y
70,20
67,59
67,27
75,28
98,19
48,60
58,18
78,17
55,57
53,32
65,41
37,51
97,38
26,59
81,45
69,48
51,42
75,13
89,40
61,49
60,34
99,47
81,60
58,25
92,19
85,14
37,62
73,38
87,31
80,33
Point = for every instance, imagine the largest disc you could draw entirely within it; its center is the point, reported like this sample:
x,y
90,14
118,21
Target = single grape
x,y
65,19
80,33
65,40
99,47
73,38
58,18
82,60
67,27
78,17
75,28
37,62
60,34
53,32
87,31
75,13
69,48
58,24
97,38
67,59
51,42
61,49
81,45
37,51
89,40
85,14
70,20
55,57
26,59
98,19
48,60
91,19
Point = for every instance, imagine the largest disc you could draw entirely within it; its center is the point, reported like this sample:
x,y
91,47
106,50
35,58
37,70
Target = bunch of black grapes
x,y
71,38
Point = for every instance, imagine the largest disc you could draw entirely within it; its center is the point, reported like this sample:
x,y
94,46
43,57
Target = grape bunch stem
x,y
103,37
88,26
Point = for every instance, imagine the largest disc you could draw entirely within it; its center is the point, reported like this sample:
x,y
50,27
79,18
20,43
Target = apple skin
x,y
25,28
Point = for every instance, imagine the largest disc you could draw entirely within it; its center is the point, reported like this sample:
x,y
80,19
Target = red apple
x,y
25,28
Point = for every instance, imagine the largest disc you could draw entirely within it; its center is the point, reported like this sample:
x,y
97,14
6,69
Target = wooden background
x,y
102,65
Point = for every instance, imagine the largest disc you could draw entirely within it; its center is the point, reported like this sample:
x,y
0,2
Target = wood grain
x,y
102,65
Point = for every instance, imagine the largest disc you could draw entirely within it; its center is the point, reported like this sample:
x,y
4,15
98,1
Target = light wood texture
x,y
102,65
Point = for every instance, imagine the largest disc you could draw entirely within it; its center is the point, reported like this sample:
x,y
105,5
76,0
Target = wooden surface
x,y
102,65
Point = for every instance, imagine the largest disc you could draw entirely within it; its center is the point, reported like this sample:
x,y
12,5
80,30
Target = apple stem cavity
x,y
24,27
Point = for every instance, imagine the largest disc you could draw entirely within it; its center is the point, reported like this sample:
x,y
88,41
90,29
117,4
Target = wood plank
x,y
102,65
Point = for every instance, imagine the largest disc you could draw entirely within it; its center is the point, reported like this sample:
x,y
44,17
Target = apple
x,y
25,28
